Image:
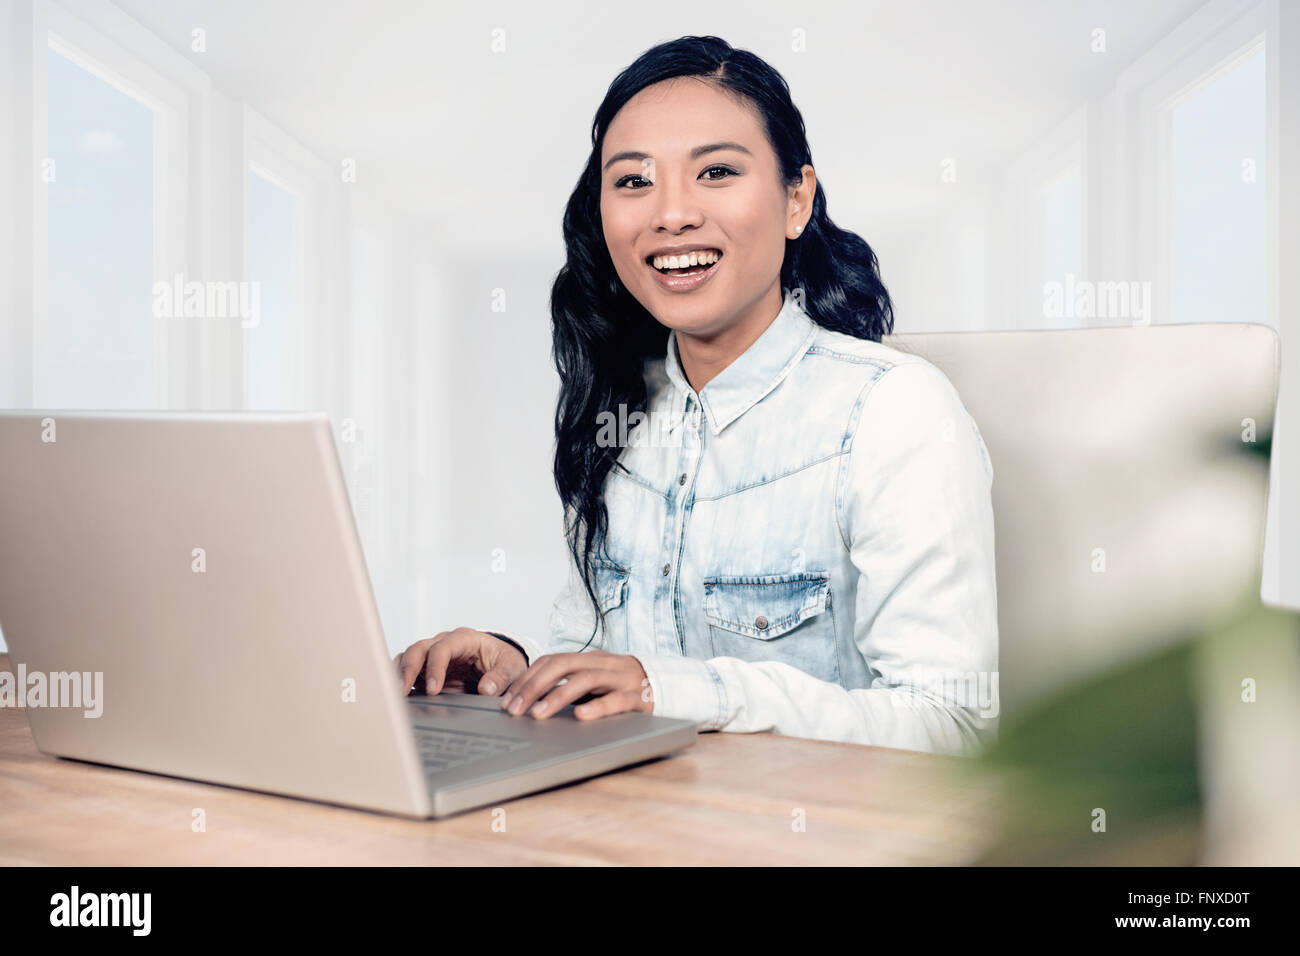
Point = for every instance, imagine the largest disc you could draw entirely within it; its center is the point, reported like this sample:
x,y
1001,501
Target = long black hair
x,y
602,336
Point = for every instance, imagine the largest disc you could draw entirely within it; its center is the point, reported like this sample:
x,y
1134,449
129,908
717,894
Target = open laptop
x,y
201,575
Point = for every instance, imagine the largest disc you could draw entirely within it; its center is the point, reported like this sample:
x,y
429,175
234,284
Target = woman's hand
x,y
452,659
618,679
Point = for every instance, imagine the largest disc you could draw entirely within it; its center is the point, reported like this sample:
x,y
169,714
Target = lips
x,y
686,282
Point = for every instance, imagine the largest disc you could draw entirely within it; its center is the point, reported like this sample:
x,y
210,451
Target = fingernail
x,y
505,701
488,687
539,708
517,705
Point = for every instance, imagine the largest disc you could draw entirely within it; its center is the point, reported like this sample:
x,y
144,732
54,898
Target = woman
x,y
776,523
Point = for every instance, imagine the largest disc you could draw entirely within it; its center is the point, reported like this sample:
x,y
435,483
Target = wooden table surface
x,y
727,799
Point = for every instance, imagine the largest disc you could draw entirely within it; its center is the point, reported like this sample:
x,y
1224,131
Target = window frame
x,y
271,153
1153,92
95,47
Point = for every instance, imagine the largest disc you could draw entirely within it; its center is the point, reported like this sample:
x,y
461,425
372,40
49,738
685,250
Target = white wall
x,y
464,170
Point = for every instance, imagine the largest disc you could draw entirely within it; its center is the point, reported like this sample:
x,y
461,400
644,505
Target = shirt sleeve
x,y
572,620
915,511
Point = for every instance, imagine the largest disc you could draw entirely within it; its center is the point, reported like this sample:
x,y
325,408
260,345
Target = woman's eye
x,y
712,179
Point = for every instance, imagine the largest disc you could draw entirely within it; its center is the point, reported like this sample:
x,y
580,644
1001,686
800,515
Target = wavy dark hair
x,y
602,336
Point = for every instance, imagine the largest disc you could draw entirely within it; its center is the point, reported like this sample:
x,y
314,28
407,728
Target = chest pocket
x,y
774,617
611,590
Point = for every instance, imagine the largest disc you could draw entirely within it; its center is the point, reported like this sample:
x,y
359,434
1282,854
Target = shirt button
x,y
667,567
682,479
760,622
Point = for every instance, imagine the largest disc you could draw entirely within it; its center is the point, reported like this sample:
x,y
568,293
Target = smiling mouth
x,y
681,265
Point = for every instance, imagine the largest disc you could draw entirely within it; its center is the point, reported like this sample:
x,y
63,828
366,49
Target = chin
x,y
690,324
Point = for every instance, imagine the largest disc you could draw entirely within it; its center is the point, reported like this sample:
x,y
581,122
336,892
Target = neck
x,y
703,357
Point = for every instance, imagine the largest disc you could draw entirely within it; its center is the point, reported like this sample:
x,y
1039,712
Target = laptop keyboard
x,y
443,749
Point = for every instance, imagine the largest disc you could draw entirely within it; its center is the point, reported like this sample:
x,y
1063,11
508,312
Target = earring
x,y
798,229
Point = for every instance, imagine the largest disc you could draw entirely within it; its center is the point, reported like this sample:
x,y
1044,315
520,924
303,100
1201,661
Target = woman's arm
x,y
916,514
571,623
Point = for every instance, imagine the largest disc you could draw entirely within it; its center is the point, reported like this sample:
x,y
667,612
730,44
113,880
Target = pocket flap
x,y
611,583
765,606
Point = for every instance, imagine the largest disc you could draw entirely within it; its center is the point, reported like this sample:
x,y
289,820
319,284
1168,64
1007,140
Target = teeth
x,y
700,258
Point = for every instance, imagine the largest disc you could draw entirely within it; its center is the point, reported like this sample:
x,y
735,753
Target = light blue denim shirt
x,y
804,547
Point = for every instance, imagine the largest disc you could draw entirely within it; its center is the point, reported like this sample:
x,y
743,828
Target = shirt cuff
x,y
686,688
531,648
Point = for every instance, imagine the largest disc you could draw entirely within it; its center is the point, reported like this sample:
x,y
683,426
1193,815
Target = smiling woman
x,y
806,546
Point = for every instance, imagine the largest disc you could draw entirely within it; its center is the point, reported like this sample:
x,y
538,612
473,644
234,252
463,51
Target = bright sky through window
x,y
270,260
101,220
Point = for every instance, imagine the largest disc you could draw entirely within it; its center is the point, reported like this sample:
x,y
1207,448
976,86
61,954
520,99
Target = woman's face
x,y
684,165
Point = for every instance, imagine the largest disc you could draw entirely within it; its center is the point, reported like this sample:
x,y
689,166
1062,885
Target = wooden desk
x,y
729,798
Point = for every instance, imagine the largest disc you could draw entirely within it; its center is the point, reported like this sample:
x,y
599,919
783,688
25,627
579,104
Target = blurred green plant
x,y
1125,741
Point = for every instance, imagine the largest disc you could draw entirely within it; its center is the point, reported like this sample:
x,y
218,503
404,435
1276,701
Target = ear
x,y
801,200
801,203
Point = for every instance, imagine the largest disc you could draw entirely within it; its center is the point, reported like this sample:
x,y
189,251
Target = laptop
x,y
185,593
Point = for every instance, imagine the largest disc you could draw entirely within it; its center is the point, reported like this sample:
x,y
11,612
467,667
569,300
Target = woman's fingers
x,y
614,682
417,662
545,673
613,703
436,660
454,660
411,661
578,685
502,669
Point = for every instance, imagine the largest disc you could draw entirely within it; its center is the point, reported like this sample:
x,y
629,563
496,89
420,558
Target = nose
x,y
676,206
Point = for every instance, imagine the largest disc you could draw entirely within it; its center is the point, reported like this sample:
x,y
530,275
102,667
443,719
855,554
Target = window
x,y
1062,224
1218,209
273,350
100,338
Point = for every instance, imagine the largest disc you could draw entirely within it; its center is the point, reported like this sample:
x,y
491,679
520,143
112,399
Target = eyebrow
x,y
696,153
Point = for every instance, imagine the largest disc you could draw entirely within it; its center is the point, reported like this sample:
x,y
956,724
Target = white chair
x,y
1126,509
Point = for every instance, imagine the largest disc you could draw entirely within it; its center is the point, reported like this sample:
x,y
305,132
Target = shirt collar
x,y
758,370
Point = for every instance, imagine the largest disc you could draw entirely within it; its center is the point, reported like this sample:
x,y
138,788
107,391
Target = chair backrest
x,y
1126,506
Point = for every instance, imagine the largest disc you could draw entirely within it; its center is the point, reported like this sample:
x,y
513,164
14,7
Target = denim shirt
x,y
804,547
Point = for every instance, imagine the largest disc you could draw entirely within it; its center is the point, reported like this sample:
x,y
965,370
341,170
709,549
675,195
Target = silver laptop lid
x,y
207,565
